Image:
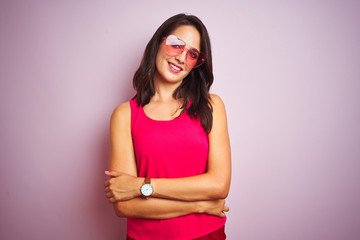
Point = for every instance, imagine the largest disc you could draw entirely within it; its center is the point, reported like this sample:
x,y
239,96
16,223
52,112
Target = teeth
x,y
175,67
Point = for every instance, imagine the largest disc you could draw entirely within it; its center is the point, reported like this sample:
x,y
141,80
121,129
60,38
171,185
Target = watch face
x,y
146,190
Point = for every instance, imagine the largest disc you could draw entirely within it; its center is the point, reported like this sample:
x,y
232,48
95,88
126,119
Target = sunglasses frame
x,y
201,54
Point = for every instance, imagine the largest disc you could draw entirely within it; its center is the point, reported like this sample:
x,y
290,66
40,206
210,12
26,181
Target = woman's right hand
x,y
214,207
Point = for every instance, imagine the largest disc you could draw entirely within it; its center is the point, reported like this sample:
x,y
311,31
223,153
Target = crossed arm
x,y
203,193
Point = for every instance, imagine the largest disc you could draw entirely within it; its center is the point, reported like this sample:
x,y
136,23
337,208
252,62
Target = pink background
x,y
288,73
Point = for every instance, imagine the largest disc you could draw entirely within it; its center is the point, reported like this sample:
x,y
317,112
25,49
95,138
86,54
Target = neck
x,y
164,90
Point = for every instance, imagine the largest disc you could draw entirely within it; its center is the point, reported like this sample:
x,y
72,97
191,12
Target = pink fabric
x,y
216,235
170,149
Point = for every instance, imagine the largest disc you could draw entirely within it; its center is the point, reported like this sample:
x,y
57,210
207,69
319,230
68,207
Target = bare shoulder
x,y
216,102
122,113
219,115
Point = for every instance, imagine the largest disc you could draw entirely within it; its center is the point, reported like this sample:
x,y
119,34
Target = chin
x,y
173,79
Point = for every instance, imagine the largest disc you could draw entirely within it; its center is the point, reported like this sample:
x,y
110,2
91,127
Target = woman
x,y
170,164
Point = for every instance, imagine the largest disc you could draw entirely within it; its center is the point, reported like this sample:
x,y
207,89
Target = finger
x,y
109,195
111,200
112,173
107,183
226,209
222,215
107,189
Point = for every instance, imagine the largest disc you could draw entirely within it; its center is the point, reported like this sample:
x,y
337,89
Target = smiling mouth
x,y
175,68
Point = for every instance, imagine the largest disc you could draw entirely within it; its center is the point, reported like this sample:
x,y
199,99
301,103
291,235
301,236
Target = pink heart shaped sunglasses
x,y
175,46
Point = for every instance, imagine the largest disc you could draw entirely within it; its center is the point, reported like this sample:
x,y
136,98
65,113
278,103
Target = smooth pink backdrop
x,y
288,72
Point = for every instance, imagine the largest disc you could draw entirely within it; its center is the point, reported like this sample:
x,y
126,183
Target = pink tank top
x,y
170,149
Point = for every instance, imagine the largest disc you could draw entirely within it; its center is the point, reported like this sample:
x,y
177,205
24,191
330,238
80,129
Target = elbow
x,y
120,214
221,190
120,209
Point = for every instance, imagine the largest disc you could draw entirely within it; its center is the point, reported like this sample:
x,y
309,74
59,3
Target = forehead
x,y
189,34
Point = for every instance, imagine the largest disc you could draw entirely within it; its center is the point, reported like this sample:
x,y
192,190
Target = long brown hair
x,y
194,87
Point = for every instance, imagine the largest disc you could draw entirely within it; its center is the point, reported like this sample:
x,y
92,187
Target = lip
x,y
173,69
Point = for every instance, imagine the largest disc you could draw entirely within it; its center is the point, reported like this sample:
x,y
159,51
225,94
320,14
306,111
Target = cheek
x,y
161,57
187,69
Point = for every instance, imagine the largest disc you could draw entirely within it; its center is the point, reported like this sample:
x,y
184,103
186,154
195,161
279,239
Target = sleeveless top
x,y
170,149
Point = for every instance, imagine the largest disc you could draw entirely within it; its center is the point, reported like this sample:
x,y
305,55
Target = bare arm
x,y
122,159
157,208
214,184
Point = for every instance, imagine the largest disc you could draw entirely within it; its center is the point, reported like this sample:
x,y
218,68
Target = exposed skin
x,y
203,193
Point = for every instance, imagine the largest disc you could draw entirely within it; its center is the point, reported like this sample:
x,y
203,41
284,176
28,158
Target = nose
x,y
181,58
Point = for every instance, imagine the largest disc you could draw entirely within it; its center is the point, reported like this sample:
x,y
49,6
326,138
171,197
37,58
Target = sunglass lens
x,y
193,54
174,46
194,58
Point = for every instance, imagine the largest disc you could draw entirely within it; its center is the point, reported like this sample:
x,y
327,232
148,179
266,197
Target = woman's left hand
x,y
122,186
